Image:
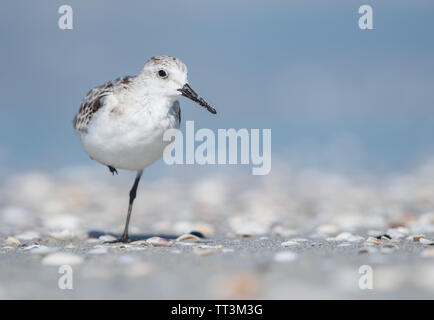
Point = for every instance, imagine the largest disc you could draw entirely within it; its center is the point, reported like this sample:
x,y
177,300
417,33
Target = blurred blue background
x,y
335,96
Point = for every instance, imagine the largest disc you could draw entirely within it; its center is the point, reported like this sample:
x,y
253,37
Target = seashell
x,y
346,236
200,251
416,237
107,237
42,250
187,237
299,240
12,241
28,235
31,246
159,242
63,235
390,246
289,244
206,246
61,258
373,240
426,241
345,244
285,256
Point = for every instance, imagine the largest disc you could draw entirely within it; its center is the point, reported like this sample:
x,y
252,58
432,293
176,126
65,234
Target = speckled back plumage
x,y
94,101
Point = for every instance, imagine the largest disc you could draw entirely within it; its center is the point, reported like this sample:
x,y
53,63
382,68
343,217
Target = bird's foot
x,y
123,239
113,170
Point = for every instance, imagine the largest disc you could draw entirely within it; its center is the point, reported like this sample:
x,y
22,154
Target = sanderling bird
x,y
121,123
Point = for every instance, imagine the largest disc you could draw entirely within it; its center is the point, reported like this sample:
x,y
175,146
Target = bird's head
x,y
168,76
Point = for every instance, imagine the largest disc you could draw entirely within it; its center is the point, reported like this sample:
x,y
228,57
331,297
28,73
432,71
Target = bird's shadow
x,y
95,234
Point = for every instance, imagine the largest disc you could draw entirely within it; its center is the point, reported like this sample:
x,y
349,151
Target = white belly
x,y
128,139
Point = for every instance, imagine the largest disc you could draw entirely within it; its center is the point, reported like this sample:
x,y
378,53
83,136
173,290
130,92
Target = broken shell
x,y
28,235
187,237
200,251
63,235
346,236
159,242
417,237
42,250
373,240
31,246
12,241
289,244
61,258
107,237
345,244
426,241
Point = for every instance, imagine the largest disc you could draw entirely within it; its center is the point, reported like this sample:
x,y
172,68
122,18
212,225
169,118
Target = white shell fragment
x,y
12,241
373,240
426,241
290,244
107,237
346,236
42,250
28,235
416,237
187,237
204,251
159,242
61,258
63,235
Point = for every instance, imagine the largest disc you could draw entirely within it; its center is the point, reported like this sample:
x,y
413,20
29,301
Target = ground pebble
x,y
159,242
188,237
63,235
373,240
12,241
289,244
426,241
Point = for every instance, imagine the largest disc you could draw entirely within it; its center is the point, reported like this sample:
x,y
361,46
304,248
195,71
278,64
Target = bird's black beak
x,y
188,92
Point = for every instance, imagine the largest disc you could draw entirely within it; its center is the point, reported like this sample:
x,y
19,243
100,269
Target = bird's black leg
x,y
113,170
133,193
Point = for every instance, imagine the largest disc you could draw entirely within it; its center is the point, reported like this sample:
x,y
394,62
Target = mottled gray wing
x,y
94,101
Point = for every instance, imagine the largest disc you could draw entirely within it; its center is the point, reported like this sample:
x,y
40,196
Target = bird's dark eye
x,y
162,74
